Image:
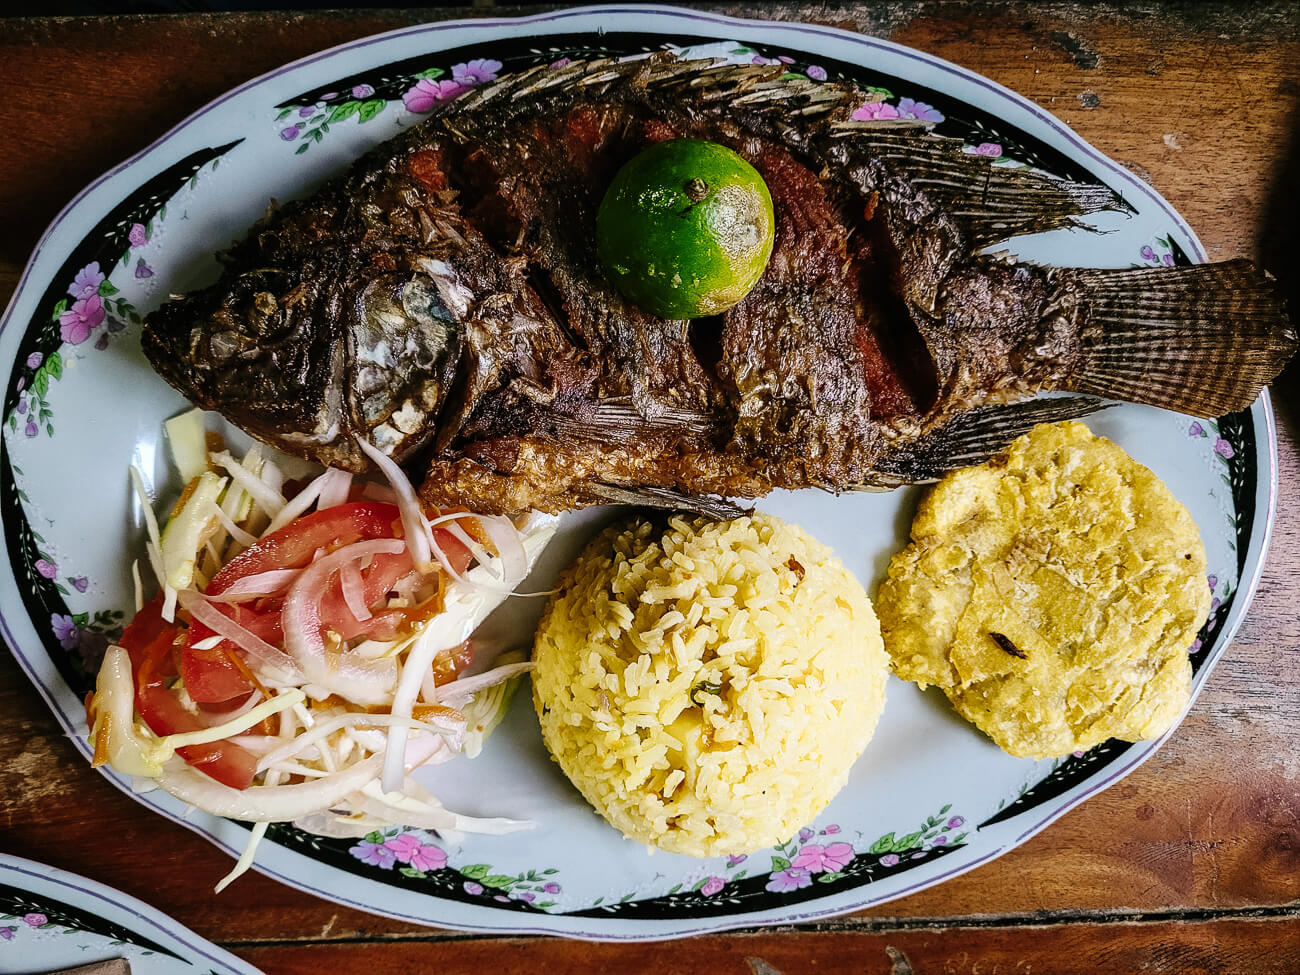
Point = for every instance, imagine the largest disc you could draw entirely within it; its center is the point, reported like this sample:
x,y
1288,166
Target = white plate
x,y
51,920
929,799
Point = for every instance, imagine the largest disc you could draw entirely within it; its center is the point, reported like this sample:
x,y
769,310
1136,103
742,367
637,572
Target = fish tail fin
x,y
1203,339
974,437
992,203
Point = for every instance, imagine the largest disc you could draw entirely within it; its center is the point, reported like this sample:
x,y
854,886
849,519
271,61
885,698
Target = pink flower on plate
x,y
712,886
376,854
138,235
362,91
35,920
476,72
787,880
818,859
1224,449
76,324
408,849
472,887
816,72
992,149
428,93
46,568
889,860
561,62
874,111
7,932
87,281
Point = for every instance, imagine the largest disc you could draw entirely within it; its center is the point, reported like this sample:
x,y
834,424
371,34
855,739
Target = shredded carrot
x,y
242,667
185,496
154,653
423,712
101,744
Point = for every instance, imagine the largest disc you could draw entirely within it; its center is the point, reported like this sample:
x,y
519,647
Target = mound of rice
x,y
708,685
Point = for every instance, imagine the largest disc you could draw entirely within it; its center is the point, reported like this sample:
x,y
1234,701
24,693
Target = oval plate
x,y
930,798
51,919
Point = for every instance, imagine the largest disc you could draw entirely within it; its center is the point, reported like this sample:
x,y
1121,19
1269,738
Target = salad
x,y
311,644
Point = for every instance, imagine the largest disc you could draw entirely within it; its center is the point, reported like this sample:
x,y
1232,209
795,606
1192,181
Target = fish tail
x,y
1202,340
972,438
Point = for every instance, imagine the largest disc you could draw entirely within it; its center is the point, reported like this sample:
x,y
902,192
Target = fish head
x,y
310,355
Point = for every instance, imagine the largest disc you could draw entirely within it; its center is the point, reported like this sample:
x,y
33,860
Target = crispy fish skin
x,y
444,300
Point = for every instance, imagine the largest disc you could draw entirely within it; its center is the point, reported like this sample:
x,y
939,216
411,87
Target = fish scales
x,y
443,299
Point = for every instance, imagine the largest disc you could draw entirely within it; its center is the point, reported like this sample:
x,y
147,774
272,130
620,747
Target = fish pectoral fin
x,y
1203,339
655,497
617,421
972,438
993,203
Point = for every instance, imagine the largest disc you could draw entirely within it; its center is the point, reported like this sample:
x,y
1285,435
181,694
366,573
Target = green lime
x,y
685,229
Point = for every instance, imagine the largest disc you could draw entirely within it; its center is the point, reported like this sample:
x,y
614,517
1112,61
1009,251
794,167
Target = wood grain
x,y
1202,102
1260,946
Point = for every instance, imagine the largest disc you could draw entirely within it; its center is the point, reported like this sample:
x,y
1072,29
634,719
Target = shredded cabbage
x,y
332,766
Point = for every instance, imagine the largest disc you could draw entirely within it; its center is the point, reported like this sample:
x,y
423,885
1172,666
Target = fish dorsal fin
x,y
991,203
756,88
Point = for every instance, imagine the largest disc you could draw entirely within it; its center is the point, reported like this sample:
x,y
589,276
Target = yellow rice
x,y
708,685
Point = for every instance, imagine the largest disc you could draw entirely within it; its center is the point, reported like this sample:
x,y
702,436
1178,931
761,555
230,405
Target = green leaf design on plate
x,y
106,288
500,880
370,109
431,73
907,842
345,110
59,309
475,871
779,864
884,844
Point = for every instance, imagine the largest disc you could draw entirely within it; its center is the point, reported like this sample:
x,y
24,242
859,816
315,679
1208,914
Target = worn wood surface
x,y
1192,864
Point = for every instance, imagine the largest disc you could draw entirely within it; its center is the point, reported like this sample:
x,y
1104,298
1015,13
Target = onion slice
x,y
354,591
418,536
279,665
357,679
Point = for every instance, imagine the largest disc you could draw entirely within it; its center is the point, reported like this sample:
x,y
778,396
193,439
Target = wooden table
x,y
1191,864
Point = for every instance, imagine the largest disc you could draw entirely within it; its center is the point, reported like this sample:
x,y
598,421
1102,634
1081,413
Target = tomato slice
x,y
211,676
149,640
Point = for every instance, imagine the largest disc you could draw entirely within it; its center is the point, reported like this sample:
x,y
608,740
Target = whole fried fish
x,y
444,301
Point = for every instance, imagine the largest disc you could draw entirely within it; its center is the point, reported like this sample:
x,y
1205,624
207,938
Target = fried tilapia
x,y
444,301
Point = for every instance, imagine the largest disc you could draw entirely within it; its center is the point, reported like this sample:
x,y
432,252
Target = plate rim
x,y
167,928
1261,415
